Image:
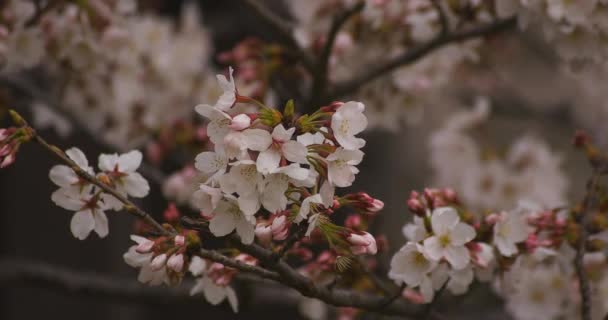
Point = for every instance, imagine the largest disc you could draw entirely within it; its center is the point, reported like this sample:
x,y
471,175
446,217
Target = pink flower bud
x,y
158,262
240,122
492,219
353,222
263,233
375,205
450,195
8,160
416,206
413,296
171,214
145,246
363,243
280,228
179,240
176,262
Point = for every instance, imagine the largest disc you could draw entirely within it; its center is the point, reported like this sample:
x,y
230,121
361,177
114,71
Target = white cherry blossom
x,y
410,265
63,176
206,198
90,212
214,293
341,168
228,217
305,208
347,122
282,147
122,169
449,239
510,229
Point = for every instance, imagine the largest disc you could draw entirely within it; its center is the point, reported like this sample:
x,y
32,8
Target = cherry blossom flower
x,y
206,198
122,171
410,265
341,168
510,229
214,293
135,258
282,146
450,236
347,122
90,212
228,217
64,177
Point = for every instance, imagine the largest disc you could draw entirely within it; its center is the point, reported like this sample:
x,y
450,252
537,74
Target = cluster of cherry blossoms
x,y
528,171
89,202
567,25
118,70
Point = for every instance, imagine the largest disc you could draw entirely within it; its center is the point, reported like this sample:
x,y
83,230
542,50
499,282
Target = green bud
x,y
289,109
17,119
270,117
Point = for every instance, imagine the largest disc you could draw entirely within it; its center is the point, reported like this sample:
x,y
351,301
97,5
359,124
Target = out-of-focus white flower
x,y
510,229
214,293
449,239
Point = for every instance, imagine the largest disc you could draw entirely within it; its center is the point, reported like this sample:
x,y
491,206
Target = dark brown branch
x,y
443,18
581,246
320,76
417,52
284,29
38,274
336,297
243,267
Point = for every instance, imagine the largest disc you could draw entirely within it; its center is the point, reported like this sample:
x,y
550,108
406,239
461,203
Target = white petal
x,y
280,134
340,175
245,230
63,176
82,224
222,224
294,171
268,161
294,151
458,257
107,162
249,203
426,289
78,156
444,219
433,249
101,223
232,299
218,129
210,162
327,194
197,266
130,161
135,185
68,198
462,233
213,293
257,139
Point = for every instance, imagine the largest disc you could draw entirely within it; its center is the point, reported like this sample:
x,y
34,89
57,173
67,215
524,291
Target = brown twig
x,y
443,18
581,246
284,29
320,76
372,72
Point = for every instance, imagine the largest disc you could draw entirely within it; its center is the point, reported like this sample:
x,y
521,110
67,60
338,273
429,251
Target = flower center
x,y
444,240
344,127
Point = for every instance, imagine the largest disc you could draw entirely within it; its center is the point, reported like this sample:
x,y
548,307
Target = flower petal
x,y
458,257
443,219
101,224
135,185
130,161
82,224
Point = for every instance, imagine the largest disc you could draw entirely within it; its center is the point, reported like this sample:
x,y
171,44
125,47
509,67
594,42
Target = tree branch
x,y
320,76
38,274
337,297
583,221
284,29
415,53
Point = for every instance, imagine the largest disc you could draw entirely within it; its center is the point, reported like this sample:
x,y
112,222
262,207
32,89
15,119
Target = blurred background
x,y
518,74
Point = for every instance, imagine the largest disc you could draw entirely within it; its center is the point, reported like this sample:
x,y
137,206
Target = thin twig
x,y
319,87
583,221
372,72
443,18
284,29
129,206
